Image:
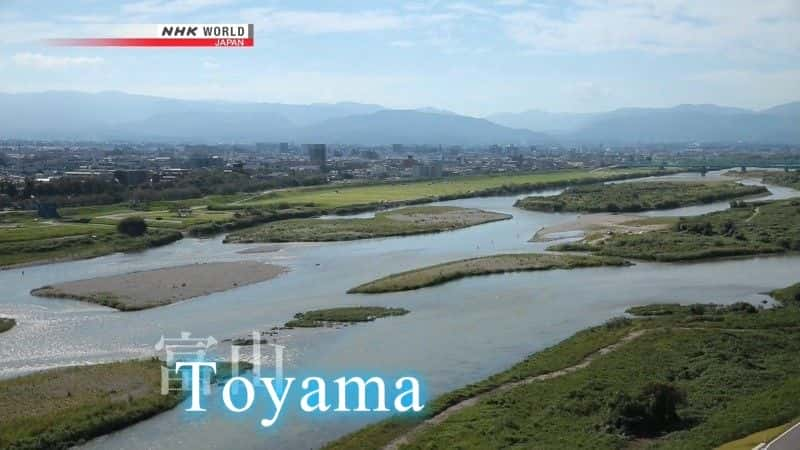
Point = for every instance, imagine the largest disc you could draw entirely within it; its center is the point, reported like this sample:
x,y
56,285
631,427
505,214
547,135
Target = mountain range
x,y
121,116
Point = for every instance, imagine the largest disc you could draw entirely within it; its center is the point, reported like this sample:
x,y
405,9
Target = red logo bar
x,y
153,42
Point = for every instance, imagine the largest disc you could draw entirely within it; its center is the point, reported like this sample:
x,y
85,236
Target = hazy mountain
x,y
211,126
682,123
542,121
416,127
791,110
65,114
117,115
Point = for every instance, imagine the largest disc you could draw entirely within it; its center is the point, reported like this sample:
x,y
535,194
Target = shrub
x,y
132,226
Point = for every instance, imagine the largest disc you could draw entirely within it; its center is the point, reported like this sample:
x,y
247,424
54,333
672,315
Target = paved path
x,y
789,440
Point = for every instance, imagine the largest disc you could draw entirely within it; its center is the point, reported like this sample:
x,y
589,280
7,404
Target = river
x,y
456,333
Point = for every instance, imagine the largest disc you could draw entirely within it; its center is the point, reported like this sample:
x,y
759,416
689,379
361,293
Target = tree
x,y
653,411
132,226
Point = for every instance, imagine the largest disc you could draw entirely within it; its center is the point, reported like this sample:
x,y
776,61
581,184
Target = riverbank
x,y
717,374
342,315
638,196
59,408
6,324
745,229
148,289
95,242
399,222
486,265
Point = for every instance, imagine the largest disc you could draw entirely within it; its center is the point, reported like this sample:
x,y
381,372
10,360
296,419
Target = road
x,y
790,440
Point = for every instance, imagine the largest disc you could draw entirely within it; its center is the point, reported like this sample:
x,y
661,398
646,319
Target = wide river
x,y
456,333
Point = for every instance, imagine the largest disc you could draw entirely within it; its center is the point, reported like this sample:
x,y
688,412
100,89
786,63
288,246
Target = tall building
x,y
283,147
317,153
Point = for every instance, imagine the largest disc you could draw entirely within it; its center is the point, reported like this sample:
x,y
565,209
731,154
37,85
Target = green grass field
x,y
737,370
339,196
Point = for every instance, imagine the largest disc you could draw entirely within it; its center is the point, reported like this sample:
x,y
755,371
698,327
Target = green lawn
x,y
338,196
45,229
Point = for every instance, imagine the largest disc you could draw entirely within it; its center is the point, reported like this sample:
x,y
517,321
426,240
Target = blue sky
x,y
473,57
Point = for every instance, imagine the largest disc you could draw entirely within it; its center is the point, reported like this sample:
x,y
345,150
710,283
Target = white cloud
x,y
211,65
402,44
320,22
47,62
152,7
661,25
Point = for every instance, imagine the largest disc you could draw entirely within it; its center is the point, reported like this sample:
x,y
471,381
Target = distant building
x,y
132,177
429,170
318,155
283,147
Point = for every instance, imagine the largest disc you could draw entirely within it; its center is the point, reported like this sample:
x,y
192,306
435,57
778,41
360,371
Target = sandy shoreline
x,y
594,222
148,289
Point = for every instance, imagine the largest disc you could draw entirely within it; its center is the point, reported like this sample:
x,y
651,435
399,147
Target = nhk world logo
x,y
167,35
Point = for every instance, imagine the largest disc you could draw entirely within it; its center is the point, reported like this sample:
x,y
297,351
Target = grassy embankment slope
x,y
683,378
89,231
6,324
345,314
749,229
638,196
400,222
486,265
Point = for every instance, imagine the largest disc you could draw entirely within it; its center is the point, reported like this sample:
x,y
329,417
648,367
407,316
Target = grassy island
x,y
347,314
6,324
684,377
151,288
787,179
745,229
638,196
486,265
400,222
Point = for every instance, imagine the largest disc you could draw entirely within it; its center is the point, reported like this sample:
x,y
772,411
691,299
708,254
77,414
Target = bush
x,y
132,226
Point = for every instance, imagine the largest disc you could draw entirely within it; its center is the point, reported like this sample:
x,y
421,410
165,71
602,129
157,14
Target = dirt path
x,y
444,415
755,213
